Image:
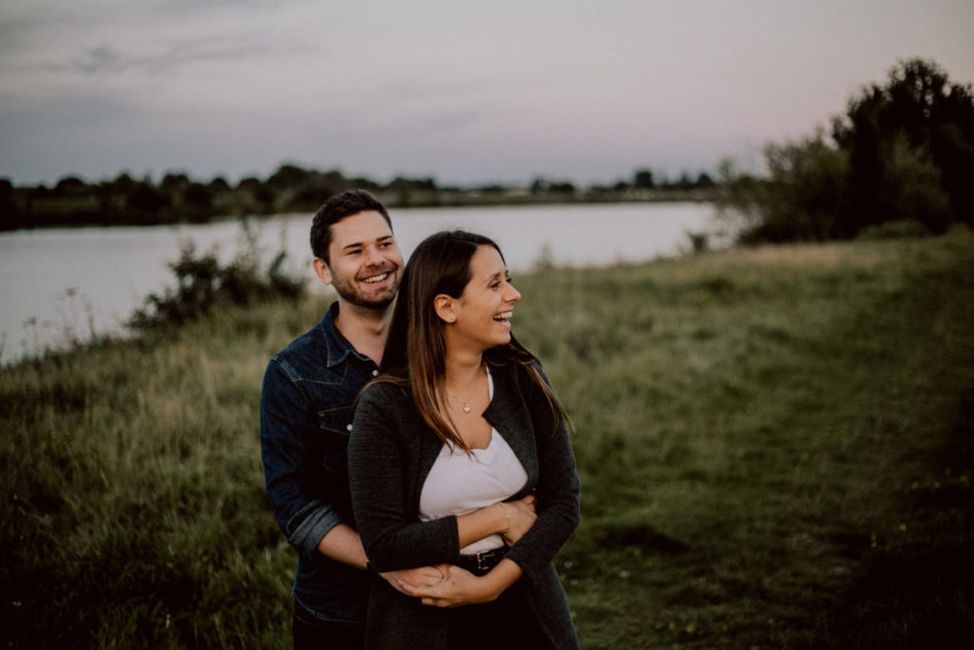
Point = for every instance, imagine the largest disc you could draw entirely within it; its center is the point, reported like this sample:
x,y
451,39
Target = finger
x,y
528,499
410,589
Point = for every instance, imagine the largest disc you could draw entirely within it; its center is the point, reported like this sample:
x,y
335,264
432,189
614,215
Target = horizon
x,y
465,94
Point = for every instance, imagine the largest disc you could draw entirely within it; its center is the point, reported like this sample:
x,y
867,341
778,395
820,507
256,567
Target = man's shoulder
x,y
301,354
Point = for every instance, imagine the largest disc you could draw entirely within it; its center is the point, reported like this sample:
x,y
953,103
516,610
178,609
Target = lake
x,y
60,285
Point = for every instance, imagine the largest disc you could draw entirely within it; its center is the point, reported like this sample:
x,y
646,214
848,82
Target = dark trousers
x,y
503,623
314,634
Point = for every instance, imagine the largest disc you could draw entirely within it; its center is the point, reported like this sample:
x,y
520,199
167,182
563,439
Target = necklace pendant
x,y
466,407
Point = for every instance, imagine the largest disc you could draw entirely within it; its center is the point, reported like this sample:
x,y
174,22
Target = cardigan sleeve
x,y
377,468
556,492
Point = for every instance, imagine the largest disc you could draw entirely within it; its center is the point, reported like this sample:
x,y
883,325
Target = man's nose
x,y
373,256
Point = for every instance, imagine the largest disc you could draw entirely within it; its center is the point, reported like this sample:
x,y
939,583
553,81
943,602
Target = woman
x,y
446,452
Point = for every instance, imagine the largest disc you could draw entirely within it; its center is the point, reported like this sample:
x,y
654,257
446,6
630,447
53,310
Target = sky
x,y
465,92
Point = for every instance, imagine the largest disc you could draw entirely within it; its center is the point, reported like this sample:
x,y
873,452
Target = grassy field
x,y
776,446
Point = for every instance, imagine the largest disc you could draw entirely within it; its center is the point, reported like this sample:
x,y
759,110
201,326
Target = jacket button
x,y
375,373
348,428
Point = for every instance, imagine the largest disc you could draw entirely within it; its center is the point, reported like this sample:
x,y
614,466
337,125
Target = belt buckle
x,y
480,556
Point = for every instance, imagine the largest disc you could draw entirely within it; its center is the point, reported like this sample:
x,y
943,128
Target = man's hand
x,y
422,577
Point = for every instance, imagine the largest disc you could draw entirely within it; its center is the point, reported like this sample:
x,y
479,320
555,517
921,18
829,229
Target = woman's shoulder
x,y
521,370
384,391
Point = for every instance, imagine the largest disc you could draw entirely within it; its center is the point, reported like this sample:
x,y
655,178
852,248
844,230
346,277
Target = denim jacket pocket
x,y
335,425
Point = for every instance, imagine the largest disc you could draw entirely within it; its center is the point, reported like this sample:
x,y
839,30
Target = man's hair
x,y
343,204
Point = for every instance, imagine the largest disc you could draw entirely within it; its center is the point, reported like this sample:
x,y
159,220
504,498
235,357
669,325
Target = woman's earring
x,y
451,319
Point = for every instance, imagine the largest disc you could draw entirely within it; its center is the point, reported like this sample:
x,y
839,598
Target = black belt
x,y
481,563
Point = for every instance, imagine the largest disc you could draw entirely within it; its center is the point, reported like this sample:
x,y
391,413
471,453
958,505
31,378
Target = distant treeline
x,y
900,160
177,198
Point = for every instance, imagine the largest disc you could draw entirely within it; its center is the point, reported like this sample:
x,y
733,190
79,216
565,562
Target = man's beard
x,y
351,294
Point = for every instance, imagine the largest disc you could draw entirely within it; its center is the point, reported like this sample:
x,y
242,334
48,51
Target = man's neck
x,y
366,329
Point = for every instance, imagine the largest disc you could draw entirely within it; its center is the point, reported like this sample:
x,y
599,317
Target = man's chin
x,y
378,303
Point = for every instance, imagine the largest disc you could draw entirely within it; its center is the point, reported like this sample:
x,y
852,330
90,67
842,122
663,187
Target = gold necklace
x,y
466,404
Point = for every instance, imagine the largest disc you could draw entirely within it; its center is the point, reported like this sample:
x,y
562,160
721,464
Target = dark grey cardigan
x,y
390,453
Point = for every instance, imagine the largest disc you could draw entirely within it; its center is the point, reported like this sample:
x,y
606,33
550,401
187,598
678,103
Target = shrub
x,y
202,284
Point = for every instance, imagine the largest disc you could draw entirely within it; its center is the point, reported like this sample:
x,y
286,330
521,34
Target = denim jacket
x,y
306,410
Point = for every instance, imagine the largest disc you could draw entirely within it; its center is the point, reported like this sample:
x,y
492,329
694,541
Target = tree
x,y
8,209
145,202
643,179
197,202
288,176
919,121
902,152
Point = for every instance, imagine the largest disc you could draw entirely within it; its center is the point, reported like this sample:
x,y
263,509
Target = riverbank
x,y
775,448
72,210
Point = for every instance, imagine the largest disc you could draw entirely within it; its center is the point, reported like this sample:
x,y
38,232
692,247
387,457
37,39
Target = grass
x,y
775,445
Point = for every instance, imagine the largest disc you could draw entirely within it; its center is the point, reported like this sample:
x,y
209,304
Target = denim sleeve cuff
x,y
316,525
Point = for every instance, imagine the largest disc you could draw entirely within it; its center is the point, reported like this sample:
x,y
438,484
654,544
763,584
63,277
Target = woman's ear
x,y
444,306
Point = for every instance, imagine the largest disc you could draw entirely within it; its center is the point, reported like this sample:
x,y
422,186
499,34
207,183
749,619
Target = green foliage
x,y
202,285
903,151
802,199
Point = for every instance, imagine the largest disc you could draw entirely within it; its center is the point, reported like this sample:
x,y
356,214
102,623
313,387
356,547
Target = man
x,y
306,414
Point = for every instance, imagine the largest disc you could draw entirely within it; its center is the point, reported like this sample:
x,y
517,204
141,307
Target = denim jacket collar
x,y
337,347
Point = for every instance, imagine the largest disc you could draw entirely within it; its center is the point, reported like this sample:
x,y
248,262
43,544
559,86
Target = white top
x,y
459,483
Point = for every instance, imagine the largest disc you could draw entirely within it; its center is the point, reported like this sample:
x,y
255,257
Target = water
x,y
63,285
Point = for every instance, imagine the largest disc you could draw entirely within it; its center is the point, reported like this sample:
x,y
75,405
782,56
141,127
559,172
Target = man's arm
x,y
309,524
292,461
343,543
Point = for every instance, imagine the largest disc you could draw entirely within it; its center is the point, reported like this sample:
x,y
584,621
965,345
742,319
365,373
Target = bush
x,y
202,284
894,230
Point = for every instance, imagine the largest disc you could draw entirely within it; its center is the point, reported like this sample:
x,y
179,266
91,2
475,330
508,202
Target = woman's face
x,y
483,311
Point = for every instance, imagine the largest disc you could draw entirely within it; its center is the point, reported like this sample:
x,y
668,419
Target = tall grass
x,y
775,447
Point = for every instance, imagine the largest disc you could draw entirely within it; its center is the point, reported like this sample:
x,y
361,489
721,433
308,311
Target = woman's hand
x,y
520,517
421,577
459,587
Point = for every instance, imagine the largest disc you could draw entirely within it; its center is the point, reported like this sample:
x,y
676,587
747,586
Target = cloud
x,y
106,59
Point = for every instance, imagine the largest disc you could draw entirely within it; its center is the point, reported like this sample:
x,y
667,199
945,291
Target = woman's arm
x,y
557,517
557,490
377,467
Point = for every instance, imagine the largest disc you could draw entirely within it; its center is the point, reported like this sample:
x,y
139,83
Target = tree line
x,y
899,159
177,198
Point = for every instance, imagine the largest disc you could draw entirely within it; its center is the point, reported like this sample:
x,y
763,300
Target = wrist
x,y
505,518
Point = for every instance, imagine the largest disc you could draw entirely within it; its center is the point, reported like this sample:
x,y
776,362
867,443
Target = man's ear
x,y
322,270
445,307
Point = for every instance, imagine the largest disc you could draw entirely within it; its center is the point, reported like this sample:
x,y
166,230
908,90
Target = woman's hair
x,y
415,351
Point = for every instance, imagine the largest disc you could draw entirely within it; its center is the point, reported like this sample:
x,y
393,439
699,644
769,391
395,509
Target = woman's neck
x,y
462,368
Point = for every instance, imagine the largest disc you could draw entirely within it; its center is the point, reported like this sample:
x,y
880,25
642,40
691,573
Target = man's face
x,y
365,264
